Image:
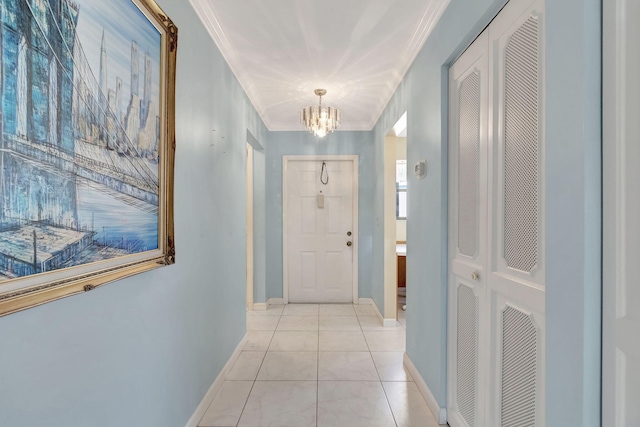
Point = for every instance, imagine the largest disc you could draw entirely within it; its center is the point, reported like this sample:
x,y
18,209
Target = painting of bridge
x,y
80,134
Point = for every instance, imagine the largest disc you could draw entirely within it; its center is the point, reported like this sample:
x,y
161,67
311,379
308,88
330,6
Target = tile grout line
x,y
260,367
318,350
380,378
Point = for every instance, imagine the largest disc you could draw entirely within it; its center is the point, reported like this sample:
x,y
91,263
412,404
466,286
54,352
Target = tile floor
x,y
319,365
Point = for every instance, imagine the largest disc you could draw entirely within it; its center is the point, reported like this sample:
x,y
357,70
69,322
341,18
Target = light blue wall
x,y
573,200
574,211
143,351
423,94
303,143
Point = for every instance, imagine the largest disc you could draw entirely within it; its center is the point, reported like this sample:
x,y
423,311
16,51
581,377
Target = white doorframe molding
x,y
285,201
390,255
250,249
618,134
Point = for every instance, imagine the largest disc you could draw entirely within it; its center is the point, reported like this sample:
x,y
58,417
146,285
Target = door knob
x,y
349,243
475,275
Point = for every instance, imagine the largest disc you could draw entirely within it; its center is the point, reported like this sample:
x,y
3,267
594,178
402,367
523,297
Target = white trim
x,y
387,323
259,306
439,412
389,225
249,231
355,193
423,29
619,58
274,301
215,387
377,310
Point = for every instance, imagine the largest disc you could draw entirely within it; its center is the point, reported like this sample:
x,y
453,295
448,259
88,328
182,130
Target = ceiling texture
x,y
281,50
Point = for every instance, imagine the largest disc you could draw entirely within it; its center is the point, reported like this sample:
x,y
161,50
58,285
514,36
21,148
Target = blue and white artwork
x,y
80,125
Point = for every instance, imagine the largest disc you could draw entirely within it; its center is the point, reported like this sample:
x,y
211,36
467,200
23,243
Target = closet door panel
x,y
468,236
515,283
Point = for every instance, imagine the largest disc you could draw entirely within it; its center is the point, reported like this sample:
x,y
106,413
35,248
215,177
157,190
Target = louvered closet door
x,y
496,231
515,283
468,91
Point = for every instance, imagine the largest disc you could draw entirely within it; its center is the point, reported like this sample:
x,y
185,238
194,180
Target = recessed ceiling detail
x,y
281,50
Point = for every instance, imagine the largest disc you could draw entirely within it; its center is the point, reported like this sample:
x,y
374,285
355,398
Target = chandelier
x,y
320,120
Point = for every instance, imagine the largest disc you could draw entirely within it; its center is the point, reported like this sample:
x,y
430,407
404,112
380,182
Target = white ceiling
x,y
281,50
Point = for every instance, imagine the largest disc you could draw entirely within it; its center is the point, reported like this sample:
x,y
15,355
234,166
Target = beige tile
x,y
386,341
246,366
373,323
262,323
294,341
298,323
353,404
339,323
364,310
272,310
390,366
337,310
288,366
258,340
370,322
403,321
408,405
301,310
346,366
342,341
227,405
281,403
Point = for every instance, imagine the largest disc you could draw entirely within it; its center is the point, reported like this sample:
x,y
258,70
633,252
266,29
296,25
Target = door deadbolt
x,y
475,275
348,233
349,243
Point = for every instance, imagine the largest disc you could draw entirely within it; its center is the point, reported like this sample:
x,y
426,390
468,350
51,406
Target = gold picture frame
x,y
86,156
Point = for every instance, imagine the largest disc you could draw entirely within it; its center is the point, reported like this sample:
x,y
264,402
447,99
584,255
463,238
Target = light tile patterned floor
x,y
320,365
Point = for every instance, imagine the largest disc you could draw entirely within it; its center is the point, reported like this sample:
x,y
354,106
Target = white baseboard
x,y
387,323
273,301
215,387
260,306
438,412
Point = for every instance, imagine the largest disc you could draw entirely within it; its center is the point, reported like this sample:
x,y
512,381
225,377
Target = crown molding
x,y
423,29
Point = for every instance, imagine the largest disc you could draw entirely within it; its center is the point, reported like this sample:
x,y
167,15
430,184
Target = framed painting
x,y
87,120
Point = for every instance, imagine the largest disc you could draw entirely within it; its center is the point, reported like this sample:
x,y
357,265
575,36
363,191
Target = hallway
x,y
319,365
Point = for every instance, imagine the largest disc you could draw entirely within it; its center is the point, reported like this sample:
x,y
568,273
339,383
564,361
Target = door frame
x,y
615,57
285,205
250,249
390,305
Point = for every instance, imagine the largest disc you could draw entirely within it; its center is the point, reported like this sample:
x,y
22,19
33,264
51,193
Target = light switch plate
x,y
420,169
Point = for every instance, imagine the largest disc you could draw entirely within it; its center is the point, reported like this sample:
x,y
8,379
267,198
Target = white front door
x,y
319,231
621,154
496,233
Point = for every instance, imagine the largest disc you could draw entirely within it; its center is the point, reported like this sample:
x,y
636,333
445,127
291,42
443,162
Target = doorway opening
x,y
395,221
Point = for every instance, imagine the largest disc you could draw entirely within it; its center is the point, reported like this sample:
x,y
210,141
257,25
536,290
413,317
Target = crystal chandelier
x,y
320,120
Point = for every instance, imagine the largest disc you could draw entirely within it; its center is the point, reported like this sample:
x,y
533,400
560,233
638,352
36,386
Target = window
x,y
401,189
